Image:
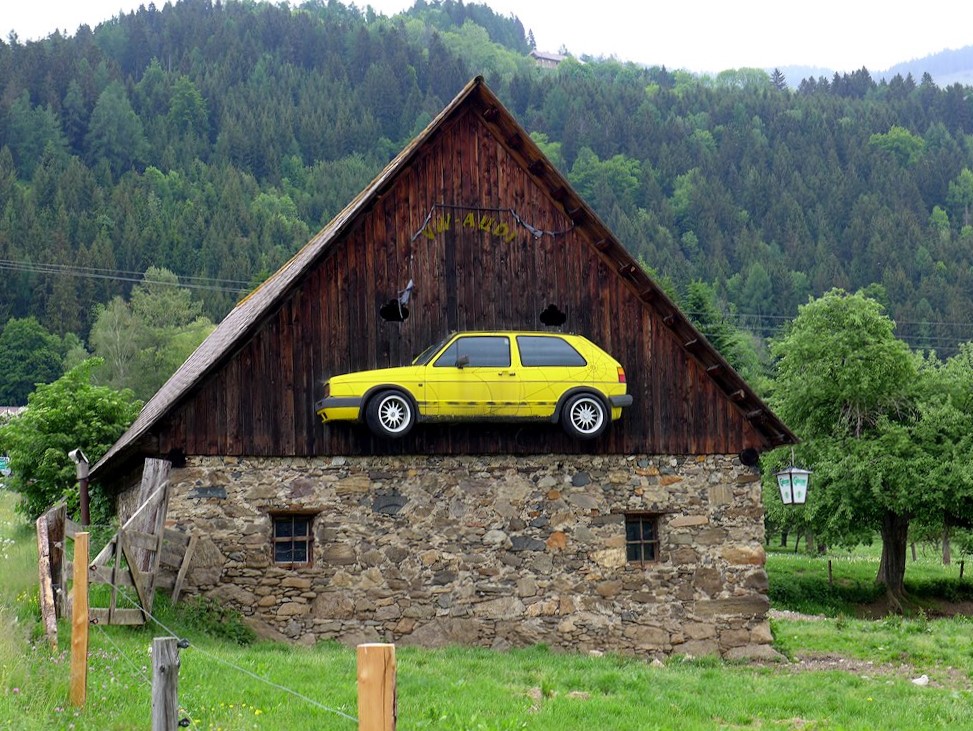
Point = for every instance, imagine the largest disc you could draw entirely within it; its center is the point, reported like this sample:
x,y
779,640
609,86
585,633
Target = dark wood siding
x,y
260,401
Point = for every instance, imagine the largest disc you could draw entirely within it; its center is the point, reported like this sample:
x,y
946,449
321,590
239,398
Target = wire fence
x,y
186,642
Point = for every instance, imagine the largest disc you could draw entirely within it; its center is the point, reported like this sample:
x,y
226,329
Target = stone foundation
x,y
491,551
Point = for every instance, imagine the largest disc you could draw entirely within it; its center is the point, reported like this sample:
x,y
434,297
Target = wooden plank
x,y
139,579
109,575
71,529
120,617
139,540
48,612
184,569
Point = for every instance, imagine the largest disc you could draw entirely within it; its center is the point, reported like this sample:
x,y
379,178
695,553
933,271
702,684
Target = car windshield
x,y
426,355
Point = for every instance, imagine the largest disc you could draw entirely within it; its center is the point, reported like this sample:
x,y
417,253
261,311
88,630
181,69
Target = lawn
x,y
843,672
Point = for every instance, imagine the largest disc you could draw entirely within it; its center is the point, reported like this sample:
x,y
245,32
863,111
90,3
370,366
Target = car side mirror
x,y
462,361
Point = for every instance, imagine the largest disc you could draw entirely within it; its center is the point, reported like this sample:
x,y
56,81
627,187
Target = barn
x,y
486,534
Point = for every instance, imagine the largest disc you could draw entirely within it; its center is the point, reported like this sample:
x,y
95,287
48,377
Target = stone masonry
x,y
491,551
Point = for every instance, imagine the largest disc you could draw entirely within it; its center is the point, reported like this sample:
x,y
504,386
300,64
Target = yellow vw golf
x,y
486,376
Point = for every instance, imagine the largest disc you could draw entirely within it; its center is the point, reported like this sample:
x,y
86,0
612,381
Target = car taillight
x,y
621,374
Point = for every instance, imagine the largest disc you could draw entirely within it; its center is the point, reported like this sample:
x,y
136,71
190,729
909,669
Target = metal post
x,y
79,458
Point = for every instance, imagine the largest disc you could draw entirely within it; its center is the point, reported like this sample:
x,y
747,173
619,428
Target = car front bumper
x,y
339,408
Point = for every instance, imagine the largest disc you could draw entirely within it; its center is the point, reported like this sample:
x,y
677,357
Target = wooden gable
x,y
491,235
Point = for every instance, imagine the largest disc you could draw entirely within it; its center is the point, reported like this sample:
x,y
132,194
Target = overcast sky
x,y
699,35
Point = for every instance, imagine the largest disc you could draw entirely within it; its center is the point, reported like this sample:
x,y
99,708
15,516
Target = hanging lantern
x,y
793,483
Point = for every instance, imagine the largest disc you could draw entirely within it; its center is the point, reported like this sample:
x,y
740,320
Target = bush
x,y
61,416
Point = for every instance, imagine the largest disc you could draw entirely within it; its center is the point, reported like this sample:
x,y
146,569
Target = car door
x,y
549,366
474,378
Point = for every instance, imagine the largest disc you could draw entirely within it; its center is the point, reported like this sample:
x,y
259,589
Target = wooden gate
x,y
140,558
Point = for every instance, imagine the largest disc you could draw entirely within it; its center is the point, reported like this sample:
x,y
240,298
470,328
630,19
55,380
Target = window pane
x,y
300,526
549,351
490,352
648,529
632,551
283,527
632,532
300,553
448,358
284,552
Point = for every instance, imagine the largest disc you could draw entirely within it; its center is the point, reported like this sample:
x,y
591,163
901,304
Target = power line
x,y
234,286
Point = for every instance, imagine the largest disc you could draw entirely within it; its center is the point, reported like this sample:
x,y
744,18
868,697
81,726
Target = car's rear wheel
x,y
390,414
584,416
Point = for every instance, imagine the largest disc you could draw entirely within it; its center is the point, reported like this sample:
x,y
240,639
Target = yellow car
x,y
486,376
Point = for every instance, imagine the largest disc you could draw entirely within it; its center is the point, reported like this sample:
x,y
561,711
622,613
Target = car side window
x,y
548,351
481,350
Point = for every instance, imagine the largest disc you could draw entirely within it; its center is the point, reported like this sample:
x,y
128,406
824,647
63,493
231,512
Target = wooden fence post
x,y
376,687
79,622
48,616
165,684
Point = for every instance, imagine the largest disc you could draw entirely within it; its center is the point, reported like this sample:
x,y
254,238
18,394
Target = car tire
x,y
390,414
584,416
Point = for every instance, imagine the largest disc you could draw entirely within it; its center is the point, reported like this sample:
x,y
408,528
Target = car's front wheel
x,y
390,414
584,416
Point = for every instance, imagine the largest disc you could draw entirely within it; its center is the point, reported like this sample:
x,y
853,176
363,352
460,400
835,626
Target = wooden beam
x,y
755,413
669,320
738,395
376,687
48,613
715,368
78,688
165,683
184,569
576,214
691,343
628,269
536,167
128,617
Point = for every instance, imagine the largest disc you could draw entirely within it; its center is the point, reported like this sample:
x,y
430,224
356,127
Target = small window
x,y
641,537
293,536
540,351
485,351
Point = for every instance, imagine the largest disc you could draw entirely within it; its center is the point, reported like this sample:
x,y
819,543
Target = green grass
x,y
460,689
799,582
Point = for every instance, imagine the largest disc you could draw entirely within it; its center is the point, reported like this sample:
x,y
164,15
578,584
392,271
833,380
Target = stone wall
x,y
493,551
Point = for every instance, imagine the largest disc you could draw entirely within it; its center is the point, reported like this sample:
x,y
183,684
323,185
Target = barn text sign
x,y
472,220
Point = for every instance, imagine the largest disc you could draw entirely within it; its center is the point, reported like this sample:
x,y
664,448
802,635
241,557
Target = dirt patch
x,y
940,678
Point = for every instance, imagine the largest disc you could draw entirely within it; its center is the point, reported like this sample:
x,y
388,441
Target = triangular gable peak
x,y
491,234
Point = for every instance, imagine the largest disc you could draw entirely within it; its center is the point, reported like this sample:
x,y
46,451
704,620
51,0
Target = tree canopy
x,y
69,413
888,433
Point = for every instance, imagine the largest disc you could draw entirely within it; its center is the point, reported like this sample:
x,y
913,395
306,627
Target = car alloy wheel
x,y
390,414
585,416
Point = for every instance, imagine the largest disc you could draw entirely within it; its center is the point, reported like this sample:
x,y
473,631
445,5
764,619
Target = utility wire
x,y
190,282
761,324
229,664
